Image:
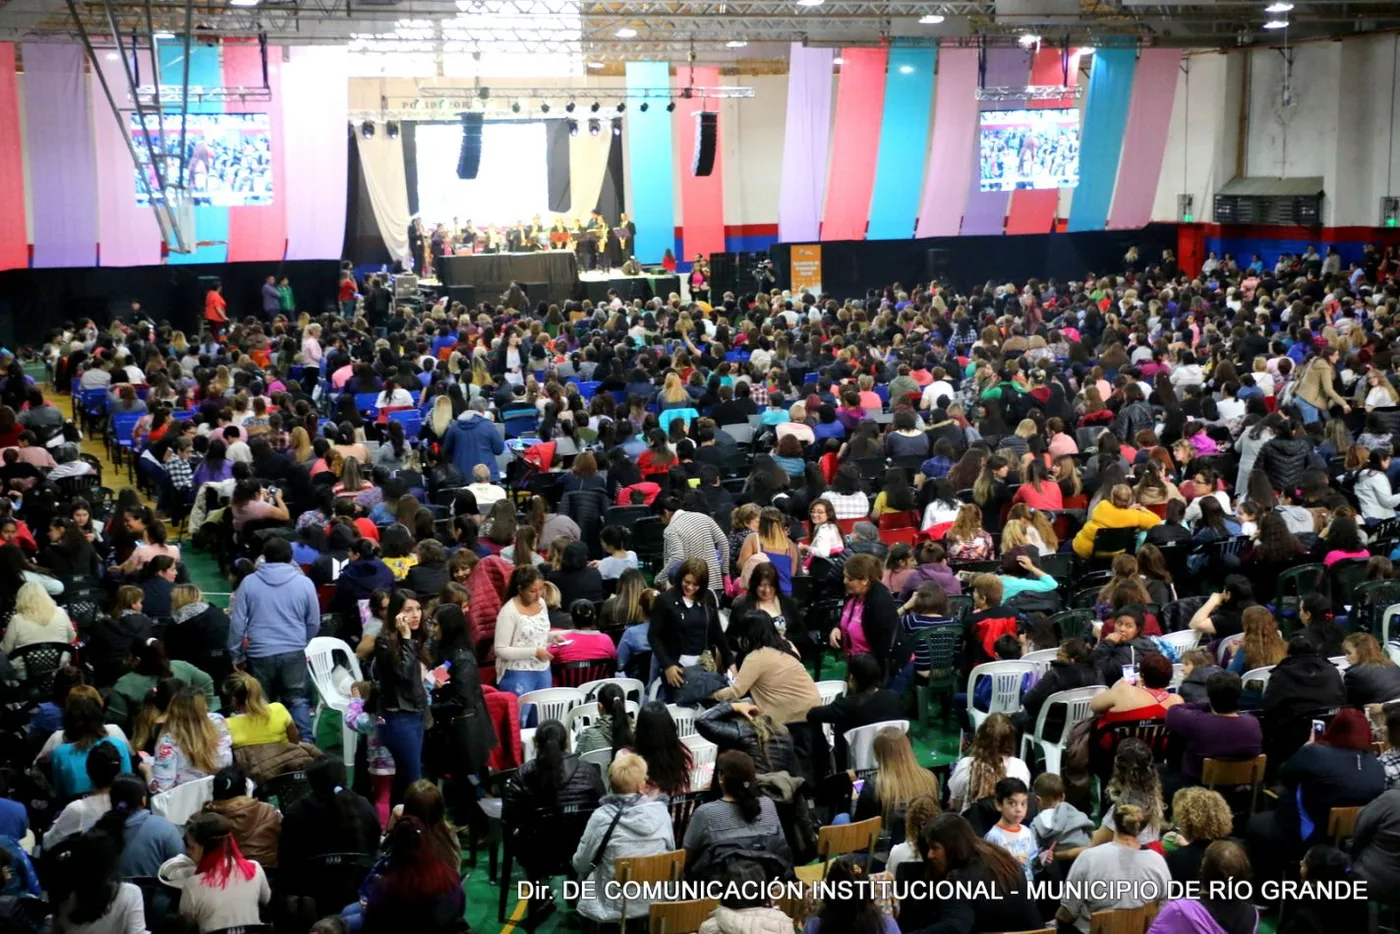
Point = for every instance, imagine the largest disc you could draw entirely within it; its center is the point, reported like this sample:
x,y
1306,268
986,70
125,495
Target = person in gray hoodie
x,y
144,840
275,615
626,823
1197,666
1375,842
1057,822
472,440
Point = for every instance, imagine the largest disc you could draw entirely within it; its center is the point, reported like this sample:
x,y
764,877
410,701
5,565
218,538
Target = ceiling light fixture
x,y
809,2
735,44
243,2
621,106
515,107
838,60
644,106
569,107
367,129
670,107
391,129
1028,39
1276,24
573,128
595,126
1279,7
161,36
617,126
112,56
544,107
595,107
626,32
595,65
931,19
906,69
1085,52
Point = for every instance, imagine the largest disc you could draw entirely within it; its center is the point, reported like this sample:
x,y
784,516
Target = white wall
x,y
1340,125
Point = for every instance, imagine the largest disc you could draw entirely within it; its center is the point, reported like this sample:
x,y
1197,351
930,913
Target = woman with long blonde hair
x,y
967,540
1262,645
673,392
299,446
772,541
899,779
255,721
1026,526
193,743
441,418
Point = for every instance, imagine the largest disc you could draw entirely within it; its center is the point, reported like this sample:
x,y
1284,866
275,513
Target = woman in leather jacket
x,y
400,698
462,737
552,781
736,725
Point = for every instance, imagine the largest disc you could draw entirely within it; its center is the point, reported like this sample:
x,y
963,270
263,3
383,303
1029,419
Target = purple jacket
x,y
939,574
1187,916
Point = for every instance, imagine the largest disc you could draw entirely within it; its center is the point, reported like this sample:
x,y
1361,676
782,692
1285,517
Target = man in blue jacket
x,y
275,615
472,439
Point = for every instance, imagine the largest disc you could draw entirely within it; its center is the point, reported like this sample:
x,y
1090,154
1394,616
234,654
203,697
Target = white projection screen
x,y
512,182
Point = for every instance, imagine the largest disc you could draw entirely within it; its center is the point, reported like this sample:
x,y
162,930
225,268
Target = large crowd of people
x,y
1176,490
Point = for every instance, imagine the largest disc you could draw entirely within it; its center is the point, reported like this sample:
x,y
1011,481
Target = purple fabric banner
x,y
127,233
1149,117
62,160
806,137
951,156
315,108
986,210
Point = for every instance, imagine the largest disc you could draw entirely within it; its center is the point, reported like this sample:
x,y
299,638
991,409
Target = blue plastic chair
x,y
883,391
587,390
366,402
519,424
92,405
412,422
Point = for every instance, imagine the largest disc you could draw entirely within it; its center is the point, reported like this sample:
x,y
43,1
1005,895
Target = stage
x,y
490,274
597,284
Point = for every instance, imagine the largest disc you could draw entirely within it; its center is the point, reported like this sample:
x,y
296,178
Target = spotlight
x,y
595,126
595,65
906,69
391,129
1276,24
595,107
515,107
164,36
1028,39
644,106
670,107
544,108
573,128
569,107
617,126
1282,6
367,129
626,32
483,93
931,19
735,44
809,2
621,107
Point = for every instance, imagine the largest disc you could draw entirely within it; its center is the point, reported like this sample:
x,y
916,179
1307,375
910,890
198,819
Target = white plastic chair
x,y
1222,651
527,743
1340,661
860,743
551,703
1259,675
684,718
324,655
1041,659
828,691
583,716
1183,641
1006,688
601,758
632,689
1076,702
184,801
703,754
1178,676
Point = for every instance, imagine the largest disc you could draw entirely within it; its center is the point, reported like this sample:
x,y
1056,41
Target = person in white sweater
x,y
36,619
1372,488
95,901
224,890
522,635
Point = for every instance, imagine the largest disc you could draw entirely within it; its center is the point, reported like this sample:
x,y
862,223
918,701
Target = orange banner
x,y
807,268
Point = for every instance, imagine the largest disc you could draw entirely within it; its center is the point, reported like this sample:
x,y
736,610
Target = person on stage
x,y
625,223
631,267
515,238
602,250
469,237
533,234
668,261
587,247
559,238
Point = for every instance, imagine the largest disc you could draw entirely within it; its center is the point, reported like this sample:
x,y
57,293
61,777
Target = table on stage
x,y
492,273
644,287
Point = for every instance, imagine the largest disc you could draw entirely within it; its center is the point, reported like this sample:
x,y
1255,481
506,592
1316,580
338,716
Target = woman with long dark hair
x,y
613,729
144,840
462,737
741,816
656,739
685,624
399,695
950,851
86,892
332,819
416,890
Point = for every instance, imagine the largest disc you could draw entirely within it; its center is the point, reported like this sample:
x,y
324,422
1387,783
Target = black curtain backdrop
x,y
364,244
611,201
38,301
408,132
851,267
557,164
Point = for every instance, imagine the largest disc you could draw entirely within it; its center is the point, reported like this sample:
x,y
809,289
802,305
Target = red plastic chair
x,y
894,536
898,520
847,526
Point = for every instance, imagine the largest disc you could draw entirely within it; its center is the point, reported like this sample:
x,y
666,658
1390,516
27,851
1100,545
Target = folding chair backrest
x,y
680,917
659,867
552,703
861,740
838,839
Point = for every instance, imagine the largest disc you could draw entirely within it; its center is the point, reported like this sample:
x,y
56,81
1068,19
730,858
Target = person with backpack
x,y
742,826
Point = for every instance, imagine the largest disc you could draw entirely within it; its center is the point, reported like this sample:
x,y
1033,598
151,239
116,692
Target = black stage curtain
x,y
851,267
364,244
408,132
39,300
611,200
557,164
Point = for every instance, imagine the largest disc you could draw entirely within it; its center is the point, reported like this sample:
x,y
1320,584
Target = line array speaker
x,y
469,160
706,139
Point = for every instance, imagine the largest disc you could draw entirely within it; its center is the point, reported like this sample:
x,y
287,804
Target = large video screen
x,y
228,157
1028,149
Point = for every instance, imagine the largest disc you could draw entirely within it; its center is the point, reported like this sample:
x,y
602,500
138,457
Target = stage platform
x,y
490,274
596,286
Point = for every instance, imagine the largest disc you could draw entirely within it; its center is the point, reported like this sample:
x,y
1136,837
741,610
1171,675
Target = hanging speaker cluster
x,y
706,139
469,159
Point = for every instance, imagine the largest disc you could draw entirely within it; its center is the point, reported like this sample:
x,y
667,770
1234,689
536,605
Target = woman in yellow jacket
x,y
1115,512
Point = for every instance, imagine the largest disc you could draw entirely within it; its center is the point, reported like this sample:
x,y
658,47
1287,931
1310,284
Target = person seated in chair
x,y
864,702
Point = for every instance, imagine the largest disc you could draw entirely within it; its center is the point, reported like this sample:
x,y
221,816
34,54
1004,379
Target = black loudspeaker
x,y
706,139
470,158
938,265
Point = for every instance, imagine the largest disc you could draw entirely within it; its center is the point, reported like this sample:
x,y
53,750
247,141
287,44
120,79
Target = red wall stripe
x,y
14,241
1033,212
860,103
259,234
702,198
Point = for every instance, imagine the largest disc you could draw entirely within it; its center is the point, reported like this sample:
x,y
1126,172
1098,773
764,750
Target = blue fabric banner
x,y
1101,142
904,133
210,223
652,163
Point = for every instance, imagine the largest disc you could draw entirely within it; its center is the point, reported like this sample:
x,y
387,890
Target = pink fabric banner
x,y
259,233
1149,118
985,211
806,136
62,160
860,103
127,232
702,198
315,111
951,159
14,240
1033,211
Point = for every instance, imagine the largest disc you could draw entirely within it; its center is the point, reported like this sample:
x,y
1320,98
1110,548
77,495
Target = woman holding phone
x,y
400,696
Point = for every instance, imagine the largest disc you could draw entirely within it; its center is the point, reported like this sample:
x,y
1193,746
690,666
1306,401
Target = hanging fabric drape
x,y
588,162
381,161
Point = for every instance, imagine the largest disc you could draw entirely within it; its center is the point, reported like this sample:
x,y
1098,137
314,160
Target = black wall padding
x,y
706,139
556,160
469,161
408,132
611,200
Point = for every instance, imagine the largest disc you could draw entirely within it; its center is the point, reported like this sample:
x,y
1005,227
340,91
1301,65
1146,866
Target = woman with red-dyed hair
x,y
1335,769
415,891
225,890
